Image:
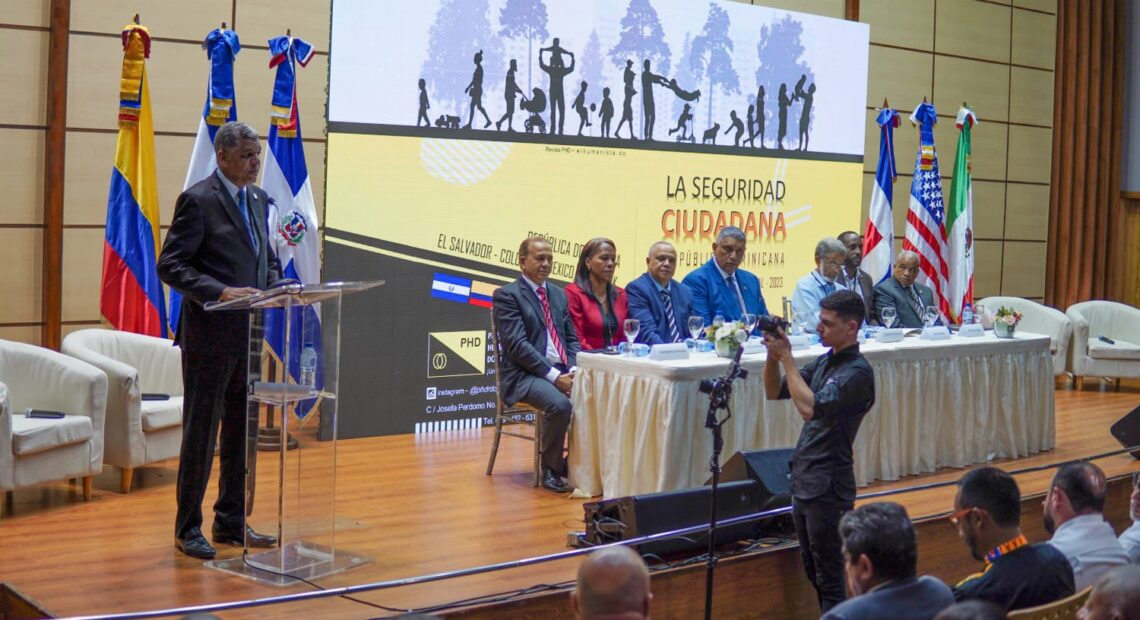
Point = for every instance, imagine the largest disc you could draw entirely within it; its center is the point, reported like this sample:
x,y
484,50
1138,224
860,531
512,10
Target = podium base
x,y
269,440
296,560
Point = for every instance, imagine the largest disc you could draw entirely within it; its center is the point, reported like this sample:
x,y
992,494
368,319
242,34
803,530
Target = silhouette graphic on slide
x,y
627,104
580,108
710,134
475,89
805,115
760,114
509,91
535,105
784,101
424,105
798,93
557,70
649,112
684,125
736,125
750,122
606,113
447,121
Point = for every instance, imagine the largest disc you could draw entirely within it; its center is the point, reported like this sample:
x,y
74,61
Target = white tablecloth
x,y
638,424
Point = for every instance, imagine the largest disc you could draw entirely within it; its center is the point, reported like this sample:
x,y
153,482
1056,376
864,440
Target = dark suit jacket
x,y
206,250
522,332
906,599
586,313
866,288
890,294
645,306
712,295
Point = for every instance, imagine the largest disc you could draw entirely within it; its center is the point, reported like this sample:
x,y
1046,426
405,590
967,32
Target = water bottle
x,y
309,365
967,314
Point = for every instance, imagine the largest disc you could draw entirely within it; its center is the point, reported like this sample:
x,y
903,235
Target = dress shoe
x,y
234,537
194,545
553,482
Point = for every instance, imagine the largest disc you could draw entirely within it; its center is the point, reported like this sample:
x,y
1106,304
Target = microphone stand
x,y
720,392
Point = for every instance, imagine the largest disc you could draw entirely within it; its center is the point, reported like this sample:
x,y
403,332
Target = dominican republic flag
x,y
131,297
291,215
222,47
462,290
925,229
960,221
879,236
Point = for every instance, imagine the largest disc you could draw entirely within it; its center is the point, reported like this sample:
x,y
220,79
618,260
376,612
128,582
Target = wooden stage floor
x,y
415,504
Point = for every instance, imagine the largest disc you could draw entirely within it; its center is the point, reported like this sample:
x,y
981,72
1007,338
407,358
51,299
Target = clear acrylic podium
x,y
297,494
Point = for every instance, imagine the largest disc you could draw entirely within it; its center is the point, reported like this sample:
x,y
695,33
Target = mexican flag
x,y
960,222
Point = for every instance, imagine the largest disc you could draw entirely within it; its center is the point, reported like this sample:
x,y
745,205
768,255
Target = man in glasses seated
x,y
819,283
1016,574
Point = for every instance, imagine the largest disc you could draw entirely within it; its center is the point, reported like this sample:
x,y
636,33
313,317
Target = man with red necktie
x,y
539,352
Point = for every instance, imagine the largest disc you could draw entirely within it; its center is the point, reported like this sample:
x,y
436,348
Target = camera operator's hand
x,y
565,382
779,347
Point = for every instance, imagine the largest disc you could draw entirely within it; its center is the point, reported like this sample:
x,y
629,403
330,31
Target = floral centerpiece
x,y
724,337
1005,322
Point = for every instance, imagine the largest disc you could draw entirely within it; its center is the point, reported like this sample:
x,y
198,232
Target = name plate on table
x,y
754,345
935,332
801,341
971,330
890,334
669,351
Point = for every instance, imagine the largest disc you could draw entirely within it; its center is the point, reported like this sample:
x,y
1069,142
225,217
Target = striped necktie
x,y
916,300
667,300
546,316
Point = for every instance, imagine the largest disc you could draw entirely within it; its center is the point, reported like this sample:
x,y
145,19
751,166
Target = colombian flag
x,y
132,297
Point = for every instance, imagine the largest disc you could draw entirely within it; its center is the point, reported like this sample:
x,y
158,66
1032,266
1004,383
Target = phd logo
x,y
430,395
456,354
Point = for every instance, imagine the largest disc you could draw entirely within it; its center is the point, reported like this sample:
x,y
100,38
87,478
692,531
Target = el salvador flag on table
x,y
291,215
222,47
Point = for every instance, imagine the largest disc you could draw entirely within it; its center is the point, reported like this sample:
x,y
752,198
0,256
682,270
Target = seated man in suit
x,y
829,257
853,278
901,292
659,302
539,349
880,552
720,286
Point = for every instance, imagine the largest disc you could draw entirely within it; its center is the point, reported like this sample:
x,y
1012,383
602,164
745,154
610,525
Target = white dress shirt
x,y
1090,546
551,351
1130,540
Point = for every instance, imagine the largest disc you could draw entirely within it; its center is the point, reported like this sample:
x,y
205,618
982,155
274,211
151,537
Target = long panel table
x,y
638,424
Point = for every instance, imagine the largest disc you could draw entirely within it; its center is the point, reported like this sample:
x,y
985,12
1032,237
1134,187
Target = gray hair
x,y
231,134
730,232
829,246
908,255
654,246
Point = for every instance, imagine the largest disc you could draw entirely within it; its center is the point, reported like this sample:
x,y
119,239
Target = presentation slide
x,y
457,128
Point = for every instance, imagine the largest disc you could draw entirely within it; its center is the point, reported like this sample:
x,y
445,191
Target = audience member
x,y
1115,596
1130,539
881,556
597,307
901,292
720,286
819,283
660,303
613,584
853,278
539,352
987,513
831,393
1074,515
972,610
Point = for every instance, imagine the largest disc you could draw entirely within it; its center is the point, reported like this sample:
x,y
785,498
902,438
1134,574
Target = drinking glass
x,y
696,324
718,320
889,316
930,316
979,312
631,327
749,321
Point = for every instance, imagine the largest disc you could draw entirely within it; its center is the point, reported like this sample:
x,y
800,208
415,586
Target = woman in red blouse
x,y
597,307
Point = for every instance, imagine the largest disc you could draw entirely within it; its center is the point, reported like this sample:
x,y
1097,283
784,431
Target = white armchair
x,y
138,431
35,450
1092,357
1040,319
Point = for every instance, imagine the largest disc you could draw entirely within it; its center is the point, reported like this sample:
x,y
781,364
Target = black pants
x,y
215,397
817,526
556,410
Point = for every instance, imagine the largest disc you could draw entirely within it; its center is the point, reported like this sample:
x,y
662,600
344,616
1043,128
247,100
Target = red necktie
x,y
550,324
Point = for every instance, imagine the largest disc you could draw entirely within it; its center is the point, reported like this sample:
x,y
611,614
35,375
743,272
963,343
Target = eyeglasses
x,y
956,517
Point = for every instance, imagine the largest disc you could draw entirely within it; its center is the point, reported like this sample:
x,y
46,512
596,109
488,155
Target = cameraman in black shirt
x,y
832,394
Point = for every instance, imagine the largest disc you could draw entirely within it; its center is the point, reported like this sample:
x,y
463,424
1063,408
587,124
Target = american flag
x,y
925,229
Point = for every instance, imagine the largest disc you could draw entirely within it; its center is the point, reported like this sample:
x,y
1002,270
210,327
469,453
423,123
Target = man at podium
x,y
216,250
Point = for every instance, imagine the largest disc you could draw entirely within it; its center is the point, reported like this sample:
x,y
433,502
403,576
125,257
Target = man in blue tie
x,y
659,302
720,286
819,283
